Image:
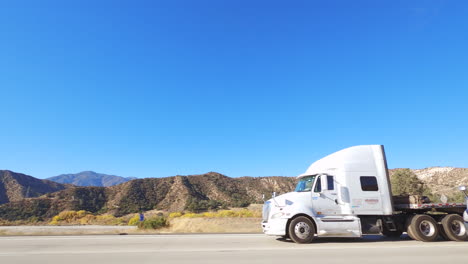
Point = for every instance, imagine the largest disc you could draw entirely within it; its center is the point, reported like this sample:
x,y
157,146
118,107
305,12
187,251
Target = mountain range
x,y
90,178
176,193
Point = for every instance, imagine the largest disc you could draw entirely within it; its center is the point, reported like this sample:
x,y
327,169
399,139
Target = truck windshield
x,y
305,184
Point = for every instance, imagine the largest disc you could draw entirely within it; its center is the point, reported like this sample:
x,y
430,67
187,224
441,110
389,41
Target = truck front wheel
x,y
301,230
454,228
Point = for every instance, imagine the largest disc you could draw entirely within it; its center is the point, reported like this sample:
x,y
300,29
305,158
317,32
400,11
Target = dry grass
x,y
251,212
236,220
85,218
213,225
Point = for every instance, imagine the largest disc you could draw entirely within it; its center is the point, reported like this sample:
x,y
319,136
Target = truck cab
x,y
345,194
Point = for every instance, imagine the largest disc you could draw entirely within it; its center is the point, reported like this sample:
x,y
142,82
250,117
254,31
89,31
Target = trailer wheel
x,y
423,228
454,228
301,230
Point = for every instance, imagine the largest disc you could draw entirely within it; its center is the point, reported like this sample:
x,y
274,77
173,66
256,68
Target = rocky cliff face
x,y
443,180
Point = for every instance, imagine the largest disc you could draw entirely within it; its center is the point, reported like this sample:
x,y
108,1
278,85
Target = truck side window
x,y
330,183
318,185
369,183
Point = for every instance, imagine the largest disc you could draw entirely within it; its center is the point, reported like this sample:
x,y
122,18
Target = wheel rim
x,y
302,230
427,228
458,228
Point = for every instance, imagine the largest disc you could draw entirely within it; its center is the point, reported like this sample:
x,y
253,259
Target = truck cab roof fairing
x,y
353,158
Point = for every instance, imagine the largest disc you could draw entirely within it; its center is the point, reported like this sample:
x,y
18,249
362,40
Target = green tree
x,y
405,182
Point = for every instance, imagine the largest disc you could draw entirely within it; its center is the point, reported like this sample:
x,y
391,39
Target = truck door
x,y
331,220
325,195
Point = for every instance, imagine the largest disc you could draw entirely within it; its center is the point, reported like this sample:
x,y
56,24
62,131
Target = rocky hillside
x,y
443,180
16,186
170,194
90,178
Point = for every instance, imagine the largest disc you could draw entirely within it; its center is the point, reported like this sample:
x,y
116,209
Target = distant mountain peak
x,y
90,178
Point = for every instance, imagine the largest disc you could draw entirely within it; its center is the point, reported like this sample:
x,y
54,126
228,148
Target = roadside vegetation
x,y
406,182
152,220
218,214
85,218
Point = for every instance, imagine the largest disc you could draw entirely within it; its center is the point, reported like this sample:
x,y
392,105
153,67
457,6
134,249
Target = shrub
x,y
153,223
405,182
87,219
108,220
134,221
224,213
209,214
191,215
68,217
457,197
175,215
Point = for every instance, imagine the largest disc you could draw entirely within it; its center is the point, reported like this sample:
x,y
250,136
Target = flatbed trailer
x,y
426,207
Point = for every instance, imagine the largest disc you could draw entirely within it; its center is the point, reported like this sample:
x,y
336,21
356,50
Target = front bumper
x,y
275,227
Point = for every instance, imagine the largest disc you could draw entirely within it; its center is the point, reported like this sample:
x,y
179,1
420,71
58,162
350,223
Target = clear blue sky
x,y
159,88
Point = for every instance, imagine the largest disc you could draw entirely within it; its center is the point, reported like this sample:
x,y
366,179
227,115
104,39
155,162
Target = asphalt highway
x,y
222,248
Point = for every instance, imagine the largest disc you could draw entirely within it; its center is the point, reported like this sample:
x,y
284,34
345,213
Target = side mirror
x,y
324,183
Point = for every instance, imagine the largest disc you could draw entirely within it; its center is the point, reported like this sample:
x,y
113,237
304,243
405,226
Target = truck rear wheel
x,y
423,228
301,230
454,228
408,230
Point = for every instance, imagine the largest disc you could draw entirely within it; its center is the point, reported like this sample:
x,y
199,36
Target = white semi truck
x,y
348,194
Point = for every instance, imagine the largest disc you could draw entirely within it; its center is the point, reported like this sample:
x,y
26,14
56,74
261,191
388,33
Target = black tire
x,y
410,234
423,228
454,228
442,233
301,230
408,230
